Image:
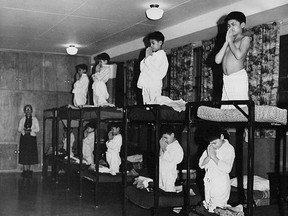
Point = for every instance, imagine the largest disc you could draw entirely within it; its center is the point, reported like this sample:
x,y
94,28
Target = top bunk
x,y
85,113
153,113
241,113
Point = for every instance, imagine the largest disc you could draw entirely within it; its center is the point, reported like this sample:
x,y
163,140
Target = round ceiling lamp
x,y
72,50
154,12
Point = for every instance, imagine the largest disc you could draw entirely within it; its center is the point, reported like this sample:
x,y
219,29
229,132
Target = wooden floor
x,y
42,197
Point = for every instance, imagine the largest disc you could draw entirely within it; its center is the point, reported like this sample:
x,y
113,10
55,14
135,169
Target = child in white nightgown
x,y
217,161
100,77
171,154
113,149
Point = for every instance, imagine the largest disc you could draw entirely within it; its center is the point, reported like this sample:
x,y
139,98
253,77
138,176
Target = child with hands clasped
x,y
153,69
88,144
232,56
217,161
101,76
80,87
171,154
113,148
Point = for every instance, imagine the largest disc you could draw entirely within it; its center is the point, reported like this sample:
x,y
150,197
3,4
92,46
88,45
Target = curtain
x,y
262,64
207,73
181,75
131,82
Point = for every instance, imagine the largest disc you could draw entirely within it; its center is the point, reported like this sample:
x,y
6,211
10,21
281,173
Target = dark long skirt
x,y
28,153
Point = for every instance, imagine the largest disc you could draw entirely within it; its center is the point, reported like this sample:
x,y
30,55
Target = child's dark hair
x,y
158,36
168,129
236,15
103,56
116,125
215,132
91,125
82,66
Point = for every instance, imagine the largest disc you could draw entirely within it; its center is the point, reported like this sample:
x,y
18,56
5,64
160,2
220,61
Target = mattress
x,y
261,198
91,113
145,199
268,114
167,114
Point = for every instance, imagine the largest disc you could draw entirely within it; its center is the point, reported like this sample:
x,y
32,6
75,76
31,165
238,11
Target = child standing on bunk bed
x,y
88,144
232,56
153,69
217,160
171,154
113,148
80,87
100,77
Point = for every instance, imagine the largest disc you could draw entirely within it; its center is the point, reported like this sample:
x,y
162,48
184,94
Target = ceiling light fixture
x,y
154,12
72,50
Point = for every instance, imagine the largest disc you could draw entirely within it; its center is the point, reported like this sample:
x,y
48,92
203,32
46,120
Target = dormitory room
x,y
141,108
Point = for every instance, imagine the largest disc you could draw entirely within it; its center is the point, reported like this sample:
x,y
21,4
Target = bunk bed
x,y
48,150
69,115
155,116
245,115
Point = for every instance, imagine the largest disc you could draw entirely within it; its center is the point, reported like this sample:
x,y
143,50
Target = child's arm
x,y
221,53
157,62
204,159
174,154
225,163
80,84
240,52
115,143
103,75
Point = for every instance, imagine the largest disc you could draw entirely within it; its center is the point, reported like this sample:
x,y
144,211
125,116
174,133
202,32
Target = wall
x,y
42,80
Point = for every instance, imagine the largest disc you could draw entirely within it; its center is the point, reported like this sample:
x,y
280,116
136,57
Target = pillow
x,y
260,183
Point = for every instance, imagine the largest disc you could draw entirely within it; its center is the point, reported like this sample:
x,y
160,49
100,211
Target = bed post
x,y
68,147
156,184
250,168
124,171
55,149
187,188
80,153
96,158
44,166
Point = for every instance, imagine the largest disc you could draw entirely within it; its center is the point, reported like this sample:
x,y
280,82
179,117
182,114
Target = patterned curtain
x,y
181,74
207,73
262,64
131,83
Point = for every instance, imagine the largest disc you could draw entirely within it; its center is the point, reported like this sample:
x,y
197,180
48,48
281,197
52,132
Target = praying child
x,y
217,160
100,77
171,154
113,148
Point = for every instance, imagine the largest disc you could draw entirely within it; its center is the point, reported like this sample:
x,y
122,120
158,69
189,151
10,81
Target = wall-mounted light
x,y
72,50
154,12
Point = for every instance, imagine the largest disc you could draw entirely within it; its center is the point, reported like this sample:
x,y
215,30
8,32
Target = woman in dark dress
x,y
28,154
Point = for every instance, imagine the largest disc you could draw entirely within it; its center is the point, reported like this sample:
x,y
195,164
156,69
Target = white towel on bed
x,y
177,105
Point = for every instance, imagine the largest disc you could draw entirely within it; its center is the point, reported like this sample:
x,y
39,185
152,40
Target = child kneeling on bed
x,y
217,160
113,145
88,143
171,154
